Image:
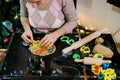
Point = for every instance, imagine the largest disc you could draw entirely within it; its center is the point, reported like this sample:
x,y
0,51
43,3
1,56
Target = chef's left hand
x,y
49,39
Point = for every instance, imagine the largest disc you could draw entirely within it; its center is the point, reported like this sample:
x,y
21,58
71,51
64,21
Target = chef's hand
x,y
49,39
2,51
27,36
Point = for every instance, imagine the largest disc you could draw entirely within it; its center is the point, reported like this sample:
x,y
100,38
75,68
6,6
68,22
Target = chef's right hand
x,y
2,51
27,36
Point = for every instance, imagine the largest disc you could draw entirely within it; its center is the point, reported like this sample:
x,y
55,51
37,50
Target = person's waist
x,y
44,30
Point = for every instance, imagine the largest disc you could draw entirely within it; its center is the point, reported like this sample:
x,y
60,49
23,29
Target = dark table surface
x,y
19,59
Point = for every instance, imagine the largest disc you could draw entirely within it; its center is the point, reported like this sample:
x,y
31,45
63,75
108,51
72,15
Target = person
x,y
53,17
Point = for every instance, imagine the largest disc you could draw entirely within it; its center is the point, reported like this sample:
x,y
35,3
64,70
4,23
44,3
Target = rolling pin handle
x,y
79,60
107,61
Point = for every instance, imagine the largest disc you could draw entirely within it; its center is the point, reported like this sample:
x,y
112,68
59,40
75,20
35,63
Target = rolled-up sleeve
x,y
70,15
23,11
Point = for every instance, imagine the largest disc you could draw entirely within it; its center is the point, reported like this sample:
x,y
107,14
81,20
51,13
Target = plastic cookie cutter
x,y
36,42
85,49
95,69
105,65
98,56
100,76
76,56
67,40
109,74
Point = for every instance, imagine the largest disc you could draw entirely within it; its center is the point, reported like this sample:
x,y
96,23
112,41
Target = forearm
x,y
70,15
24,15
70,25
25,25
61,31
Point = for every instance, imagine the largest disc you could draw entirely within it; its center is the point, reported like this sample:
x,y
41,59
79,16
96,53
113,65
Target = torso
x,y
49,16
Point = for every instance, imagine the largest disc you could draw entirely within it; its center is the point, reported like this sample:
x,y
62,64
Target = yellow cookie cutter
x,y
98,56
85,49
109,73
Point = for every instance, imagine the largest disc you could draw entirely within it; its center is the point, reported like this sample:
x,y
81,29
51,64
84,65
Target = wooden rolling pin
x,y
83,41
92,60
